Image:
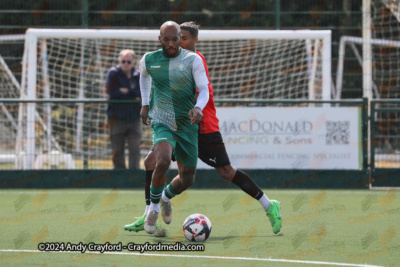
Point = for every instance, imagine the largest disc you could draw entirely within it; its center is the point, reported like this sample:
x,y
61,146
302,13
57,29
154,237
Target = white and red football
x,y
197,228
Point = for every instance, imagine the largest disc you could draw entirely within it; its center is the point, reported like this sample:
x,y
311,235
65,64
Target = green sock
x,y
155,193
170,192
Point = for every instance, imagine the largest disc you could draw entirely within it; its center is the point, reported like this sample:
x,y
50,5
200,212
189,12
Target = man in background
x,y
124,118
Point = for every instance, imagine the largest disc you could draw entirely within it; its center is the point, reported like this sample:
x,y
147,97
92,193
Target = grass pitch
x,y
326,226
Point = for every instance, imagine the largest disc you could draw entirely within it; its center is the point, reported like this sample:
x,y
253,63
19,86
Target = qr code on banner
x,y
337,132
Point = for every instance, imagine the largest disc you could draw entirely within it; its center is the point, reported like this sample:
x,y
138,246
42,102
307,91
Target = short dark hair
x,y
191,27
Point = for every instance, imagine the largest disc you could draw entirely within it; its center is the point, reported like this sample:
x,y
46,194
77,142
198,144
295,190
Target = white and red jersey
x,y
210,122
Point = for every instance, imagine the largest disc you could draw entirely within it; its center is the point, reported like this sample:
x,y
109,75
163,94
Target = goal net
x,y
73,64
383,41
385,20
9,88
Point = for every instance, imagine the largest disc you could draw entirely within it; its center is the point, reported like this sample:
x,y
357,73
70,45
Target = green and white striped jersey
x,y
174,85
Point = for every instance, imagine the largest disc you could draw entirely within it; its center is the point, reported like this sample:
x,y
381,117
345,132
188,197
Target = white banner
x,y
291,137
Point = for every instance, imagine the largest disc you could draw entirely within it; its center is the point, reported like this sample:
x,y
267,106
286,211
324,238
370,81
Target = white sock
x,y
147,209
264,201
154,206
164,197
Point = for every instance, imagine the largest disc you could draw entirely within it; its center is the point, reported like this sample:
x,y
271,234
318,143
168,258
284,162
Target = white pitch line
x,y
101,191
56,191
199,256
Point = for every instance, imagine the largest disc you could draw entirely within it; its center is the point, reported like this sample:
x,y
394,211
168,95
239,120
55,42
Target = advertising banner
x,y
291,137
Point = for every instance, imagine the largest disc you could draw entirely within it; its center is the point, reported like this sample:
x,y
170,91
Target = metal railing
x,y
94,150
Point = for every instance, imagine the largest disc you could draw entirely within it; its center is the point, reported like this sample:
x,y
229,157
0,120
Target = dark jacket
x,y
117,79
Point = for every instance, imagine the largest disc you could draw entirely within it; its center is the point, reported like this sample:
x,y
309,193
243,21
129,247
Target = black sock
x,y
147,184
244,181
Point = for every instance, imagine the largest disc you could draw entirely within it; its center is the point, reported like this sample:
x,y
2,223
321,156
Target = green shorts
x,y
185,143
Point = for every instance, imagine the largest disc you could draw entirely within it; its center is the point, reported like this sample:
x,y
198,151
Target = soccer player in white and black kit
x,y
211,151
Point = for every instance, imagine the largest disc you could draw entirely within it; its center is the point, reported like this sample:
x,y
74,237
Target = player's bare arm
x,y
196,115
144,115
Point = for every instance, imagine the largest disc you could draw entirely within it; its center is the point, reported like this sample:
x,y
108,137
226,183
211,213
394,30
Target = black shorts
x,y
212,150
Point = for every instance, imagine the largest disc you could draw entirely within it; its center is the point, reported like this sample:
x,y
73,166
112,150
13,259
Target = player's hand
x,y
124,90
144,115
196,115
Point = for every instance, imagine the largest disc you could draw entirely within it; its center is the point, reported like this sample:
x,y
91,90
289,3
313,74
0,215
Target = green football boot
x,y
138,225
274,216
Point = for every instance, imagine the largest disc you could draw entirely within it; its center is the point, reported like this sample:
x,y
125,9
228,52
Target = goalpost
x,y
353,42
73,64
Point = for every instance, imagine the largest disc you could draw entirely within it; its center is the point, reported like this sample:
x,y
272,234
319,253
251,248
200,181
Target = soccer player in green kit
x,y
175,74
211,151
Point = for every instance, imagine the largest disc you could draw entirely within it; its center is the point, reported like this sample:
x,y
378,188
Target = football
x,y
197,228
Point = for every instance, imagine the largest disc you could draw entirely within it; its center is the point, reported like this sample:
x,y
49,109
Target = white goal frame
x,y
351,40
31,46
